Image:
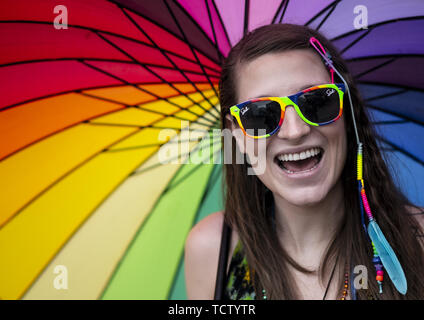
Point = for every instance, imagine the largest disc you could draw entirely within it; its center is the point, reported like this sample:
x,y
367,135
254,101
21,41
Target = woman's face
x,y
308,181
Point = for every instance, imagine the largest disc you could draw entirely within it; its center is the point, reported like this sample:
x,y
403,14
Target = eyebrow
x,y
302,88
308,86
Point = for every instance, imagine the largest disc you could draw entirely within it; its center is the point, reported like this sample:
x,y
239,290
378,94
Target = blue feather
x,y
388,257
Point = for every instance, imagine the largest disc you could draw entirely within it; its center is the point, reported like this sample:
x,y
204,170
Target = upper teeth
x,y
299,156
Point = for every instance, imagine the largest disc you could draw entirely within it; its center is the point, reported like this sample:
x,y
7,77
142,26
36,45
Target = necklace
x,y
345,285
346,281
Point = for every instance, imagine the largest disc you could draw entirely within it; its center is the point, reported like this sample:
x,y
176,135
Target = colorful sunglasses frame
x,y
289,101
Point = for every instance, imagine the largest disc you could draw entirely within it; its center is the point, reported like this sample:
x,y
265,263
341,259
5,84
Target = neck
x,y
306,231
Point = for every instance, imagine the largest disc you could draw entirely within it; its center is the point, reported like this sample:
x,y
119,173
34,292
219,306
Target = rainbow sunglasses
x,y
317,106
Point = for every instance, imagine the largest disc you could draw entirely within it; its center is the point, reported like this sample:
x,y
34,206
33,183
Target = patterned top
x,y
239,286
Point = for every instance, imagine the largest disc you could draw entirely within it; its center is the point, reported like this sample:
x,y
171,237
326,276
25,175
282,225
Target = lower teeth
x,y
289,171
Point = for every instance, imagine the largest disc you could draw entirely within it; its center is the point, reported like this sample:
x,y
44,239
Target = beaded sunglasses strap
x,y
384,256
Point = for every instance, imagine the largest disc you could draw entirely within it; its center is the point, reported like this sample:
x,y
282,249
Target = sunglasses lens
x,y
258,115
320,105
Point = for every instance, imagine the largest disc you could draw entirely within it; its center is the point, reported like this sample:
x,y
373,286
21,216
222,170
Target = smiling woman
x,y
295,230
293,181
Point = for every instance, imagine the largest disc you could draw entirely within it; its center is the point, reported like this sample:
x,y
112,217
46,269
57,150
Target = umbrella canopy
x,y
89,209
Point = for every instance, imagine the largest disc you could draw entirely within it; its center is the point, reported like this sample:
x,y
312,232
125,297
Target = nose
x,y
293,127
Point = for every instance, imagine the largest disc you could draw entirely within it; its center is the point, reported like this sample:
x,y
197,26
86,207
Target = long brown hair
x,y
246,197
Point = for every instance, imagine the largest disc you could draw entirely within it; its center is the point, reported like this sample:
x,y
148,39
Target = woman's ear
x,y
236,132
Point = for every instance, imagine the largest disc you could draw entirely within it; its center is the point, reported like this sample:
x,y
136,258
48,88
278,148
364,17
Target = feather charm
x,y
383,252
388,257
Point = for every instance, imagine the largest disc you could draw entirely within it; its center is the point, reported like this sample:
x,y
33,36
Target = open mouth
x,y
300,162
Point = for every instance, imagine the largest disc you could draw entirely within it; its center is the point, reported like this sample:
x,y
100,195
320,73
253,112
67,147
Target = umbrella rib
x,y
150,145
64,175
79,165
87,120
166,116
192,51
386,95
177,4
96,59
284,11
391,85
356,40
156,127
155,74
222,24
142,89
402,150
137,105
123,125
174,277
178,117
73,124
389,122
280,6
169,31
246,16
211,182
161,27
128,125
378,24
390,55
198,166
72,91
145,91
321,12
212,26
108,33
327,16
214,33
125,252
139,230
151,126
410,119
212,176
60,59
172,159
383,64
139,126
171,61
210,129
214,137
82,223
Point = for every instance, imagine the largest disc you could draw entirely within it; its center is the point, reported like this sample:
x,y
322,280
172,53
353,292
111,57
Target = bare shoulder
x,y
201,256
207,231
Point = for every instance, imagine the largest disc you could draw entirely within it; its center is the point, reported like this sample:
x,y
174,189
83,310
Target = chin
x,y
305,198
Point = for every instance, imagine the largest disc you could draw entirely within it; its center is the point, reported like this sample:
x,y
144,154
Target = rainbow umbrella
x,y
89,209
